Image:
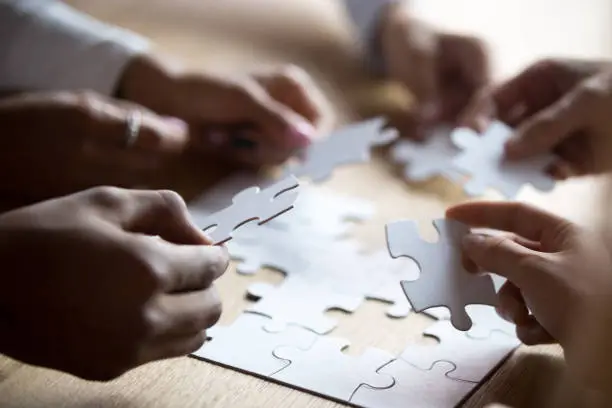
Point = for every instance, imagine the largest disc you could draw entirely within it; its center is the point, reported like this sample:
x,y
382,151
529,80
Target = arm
x,y
366,15
45,44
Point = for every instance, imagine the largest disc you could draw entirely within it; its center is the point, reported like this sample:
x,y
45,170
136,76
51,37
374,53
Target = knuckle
x,y
217,264
172,202
292,75
214,310
198,341
107,197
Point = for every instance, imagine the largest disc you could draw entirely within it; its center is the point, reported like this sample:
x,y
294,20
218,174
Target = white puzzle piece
x,y
339,264
382,279
250,205
425,159
247,346
415,388
351,144
300,302
483,159
325,370
473,358
443,281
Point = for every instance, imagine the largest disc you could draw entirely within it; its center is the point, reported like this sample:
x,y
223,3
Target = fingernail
x,y
471,241
301,134
179,124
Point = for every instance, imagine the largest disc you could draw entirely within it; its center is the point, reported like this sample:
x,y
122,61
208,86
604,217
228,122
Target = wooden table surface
x,y
241,34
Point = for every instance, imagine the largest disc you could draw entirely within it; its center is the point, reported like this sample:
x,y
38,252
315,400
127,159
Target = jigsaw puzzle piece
x,y
483,159
351,144
473,358
443,281
326,370
432,157
301,302
384,275
228,347
250,205
415,388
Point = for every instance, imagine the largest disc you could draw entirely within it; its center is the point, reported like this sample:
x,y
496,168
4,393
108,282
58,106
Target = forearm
x,y
47,45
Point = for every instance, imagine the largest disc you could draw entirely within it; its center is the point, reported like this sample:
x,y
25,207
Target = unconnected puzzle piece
x,y
300,302
350,144
483,159
425,159
247,346
326,370
473,358
250,205
443,281
415,388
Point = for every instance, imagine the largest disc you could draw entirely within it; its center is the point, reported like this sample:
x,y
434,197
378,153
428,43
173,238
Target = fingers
x,y
502,256
107,121
158,213
187,314
511,305
546,129
293,87
532,333
190,267
527,221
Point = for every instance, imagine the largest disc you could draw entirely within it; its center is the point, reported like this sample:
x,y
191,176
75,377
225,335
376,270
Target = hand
x,y
558,106
278,111
559,283
58,143
442,70
102,281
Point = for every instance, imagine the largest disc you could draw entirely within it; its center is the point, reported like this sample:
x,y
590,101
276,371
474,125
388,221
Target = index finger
x,y
524,220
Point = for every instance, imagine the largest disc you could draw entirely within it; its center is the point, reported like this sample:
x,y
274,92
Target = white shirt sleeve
x,y
47,45
366,15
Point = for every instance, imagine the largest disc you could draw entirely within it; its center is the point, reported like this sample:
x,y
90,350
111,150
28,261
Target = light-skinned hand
x,y
558,106
258,119
559,284
442,70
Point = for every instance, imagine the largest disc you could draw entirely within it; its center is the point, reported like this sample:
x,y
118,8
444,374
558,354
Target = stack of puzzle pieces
x,y
285,335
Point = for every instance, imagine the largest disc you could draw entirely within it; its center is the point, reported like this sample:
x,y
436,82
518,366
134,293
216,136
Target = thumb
x,y
501,255
545,130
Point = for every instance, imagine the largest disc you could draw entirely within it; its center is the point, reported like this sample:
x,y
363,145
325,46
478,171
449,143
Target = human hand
x,y
442,70
258,119
99,282
559,106
559,284
58,143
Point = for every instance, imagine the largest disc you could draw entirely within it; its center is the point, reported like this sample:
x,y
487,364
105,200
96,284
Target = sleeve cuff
x,y
366,16
53,46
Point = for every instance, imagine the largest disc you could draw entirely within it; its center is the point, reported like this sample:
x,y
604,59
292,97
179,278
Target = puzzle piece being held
x,y
326,370
443,281
350,144
250,205
483,160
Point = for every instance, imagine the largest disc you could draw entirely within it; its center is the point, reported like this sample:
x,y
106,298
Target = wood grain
x,y
242,34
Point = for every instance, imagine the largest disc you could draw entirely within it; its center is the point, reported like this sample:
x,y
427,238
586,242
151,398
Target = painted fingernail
x,y
301,134
179,124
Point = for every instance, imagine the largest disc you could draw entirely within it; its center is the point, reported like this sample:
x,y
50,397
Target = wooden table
x,y
314,35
